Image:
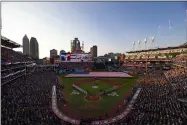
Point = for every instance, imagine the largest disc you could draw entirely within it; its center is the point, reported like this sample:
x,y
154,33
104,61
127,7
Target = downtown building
x,y
34,48
53,53
93,52
26,47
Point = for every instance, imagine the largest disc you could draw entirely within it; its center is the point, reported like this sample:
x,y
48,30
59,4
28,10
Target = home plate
x,y
94,87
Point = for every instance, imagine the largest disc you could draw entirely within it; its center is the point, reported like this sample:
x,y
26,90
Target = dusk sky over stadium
x,y
112,26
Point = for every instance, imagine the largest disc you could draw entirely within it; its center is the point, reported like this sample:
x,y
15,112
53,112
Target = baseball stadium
x,y
84,92
141,86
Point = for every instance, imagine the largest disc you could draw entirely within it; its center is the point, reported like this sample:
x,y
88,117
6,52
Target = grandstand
x,y
157,54
8,55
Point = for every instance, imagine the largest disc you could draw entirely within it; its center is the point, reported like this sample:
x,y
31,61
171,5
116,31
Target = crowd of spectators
x,y
156,104
181,63
132,64
5,67
9,55
180,58
178,79
27,100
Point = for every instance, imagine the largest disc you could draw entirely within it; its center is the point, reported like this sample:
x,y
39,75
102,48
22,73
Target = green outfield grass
x,y
105,103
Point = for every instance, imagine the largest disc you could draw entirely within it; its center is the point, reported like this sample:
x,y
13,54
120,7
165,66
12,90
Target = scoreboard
x,y
82,57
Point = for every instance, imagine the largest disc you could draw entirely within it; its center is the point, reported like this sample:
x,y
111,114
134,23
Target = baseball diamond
x,y
103,101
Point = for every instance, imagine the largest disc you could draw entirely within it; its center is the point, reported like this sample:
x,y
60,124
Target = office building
x,y
76,46
34,48
25,45
53,53
93,51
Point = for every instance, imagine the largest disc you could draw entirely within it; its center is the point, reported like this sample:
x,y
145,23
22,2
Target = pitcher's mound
x,y
92,98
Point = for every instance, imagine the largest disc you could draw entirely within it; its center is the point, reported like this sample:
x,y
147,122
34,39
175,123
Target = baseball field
x,y
94,96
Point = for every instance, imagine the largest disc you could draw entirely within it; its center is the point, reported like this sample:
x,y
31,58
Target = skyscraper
x,y
26,45
34,48
93,51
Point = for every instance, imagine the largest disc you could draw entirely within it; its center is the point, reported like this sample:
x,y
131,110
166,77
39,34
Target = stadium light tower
x,y
153,42
145,40
150,43
139,44
133,45
82,45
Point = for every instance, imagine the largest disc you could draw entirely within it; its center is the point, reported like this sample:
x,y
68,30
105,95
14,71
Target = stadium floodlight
x,y
133,45
153,41
139,44
145,40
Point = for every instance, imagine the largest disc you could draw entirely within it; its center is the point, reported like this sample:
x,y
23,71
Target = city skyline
x,y
112,26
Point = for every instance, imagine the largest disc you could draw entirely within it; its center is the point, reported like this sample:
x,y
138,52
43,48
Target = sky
x,y
112,26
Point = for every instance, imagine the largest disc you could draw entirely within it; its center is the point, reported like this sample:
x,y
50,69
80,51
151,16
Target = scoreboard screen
x,y
65,56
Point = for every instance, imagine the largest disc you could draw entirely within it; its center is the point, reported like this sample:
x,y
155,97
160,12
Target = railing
x,y
58,113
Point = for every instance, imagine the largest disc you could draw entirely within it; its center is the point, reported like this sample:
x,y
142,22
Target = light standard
x,y
152,41
145,40
133,46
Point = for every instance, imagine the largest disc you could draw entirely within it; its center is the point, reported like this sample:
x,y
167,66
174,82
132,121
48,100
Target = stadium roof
x,y
166,48
9,43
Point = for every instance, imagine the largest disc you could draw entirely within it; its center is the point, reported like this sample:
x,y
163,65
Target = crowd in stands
x,y
6,72
27,100
180,58
181,63
178,79
132,64
9,55
156,104
5,67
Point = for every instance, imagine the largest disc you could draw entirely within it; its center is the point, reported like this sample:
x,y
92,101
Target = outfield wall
x,y
58,113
